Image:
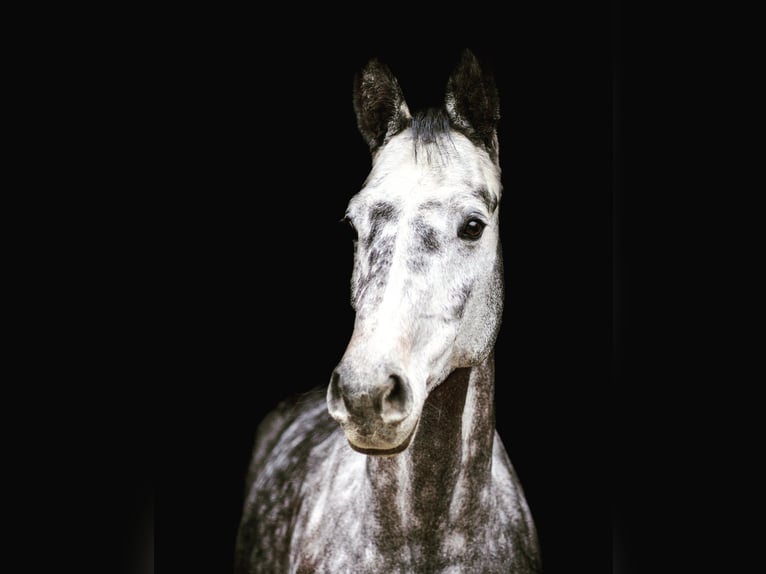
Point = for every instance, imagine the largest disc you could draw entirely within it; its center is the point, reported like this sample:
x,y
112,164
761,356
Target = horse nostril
x,y
389,402
336,404
396,394
394,402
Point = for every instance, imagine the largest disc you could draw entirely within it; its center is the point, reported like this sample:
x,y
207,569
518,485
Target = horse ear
x,y
472,102
381,111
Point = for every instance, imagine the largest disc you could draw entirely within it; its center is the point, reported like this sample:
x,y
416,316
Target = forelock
x,y
431,134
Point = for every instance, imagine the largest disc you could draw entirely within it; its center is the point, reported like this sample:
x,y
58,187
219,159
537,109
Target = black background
x,y
210,277
197,164
257,154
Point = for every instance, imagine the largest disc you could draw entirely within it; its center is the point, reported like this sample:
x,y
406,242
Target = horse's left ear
x,y
472,102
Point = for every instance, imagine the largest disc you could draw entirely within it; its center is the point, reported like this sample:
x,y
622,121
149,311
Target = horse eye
x,y
472,229
350,224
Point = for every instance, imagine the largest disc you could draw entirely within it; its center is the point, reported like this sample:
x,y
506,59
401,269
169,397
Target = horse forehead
x,y
408,173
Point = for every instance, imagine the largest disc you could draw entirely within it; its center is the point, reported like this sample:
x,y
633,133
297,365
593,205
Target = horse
x,y
396,464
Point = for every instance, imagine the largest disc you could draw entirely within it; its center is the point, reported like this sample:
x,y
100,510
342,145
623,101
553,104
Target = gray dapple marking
x,y
396,466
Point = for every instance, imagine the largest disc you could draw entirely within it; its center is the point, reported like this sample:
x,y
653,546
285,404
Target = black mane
x,y
427,125
429,128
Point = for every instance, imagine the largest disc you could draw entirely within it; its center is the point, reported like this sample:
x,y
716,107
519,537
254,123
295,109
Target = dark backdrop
x,y
258,154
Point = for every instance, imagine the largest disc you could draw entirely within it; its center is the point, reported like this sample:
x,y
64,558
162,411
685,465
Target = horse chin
x,y
373,451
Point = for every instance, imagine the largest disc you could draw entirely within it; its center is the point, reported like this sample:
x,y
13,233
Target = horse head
x,y
427,282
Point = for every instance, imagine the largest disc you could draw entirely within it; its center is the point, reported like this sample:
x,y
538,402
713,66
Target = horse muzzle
x,y
376,412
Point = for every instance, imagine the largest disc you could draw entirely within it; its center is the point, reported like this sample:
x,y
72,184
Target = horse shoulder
x,y
285,448
513,518
331,533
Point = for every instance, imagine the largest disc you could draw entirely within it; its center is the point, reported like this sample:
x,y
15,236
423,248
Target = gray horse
x,y
396,466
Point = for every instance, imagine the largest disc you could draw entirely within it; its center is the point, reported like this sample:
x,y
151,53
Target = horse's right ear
x,y
381,111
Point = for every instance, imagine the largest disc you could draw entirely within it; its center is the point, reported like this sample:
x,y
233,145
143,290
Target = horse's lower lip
x,y
385,451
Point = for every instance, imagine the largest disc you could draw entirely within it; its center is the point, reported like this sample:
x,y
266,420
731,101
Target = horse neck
x,y
444,472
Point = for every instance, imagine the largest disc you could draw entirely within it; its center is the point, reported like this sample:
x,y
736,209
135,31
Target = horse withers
x,y
396,465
